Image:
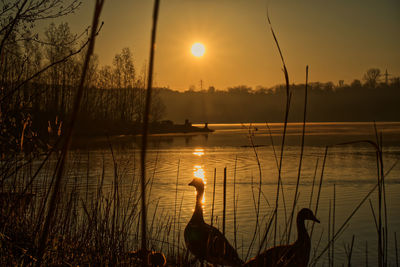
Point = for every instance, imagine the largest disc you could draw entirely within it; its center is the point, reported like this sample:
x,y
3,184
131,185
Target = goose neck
x,y
301,230
198,211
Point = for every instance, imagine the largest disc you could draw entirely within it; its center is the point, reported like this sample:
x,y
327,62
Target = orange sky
x,y
338,39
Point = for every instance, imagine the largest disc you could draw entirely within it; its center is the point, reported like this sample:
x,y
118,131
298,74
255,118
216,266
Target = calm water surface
x,y
174,160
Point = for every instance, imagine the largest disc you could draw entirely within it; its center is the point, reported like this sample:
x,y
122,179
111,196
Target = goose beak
x,y
191,183
316,220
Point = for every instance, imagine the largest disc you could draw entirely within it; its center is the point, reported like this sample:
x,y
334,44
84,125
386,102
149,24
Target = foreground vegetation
x,y
46,217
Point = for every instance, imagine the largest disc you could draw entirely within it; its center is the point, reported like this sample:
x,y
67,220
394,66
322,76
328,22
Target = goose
x,y
204,241
293,255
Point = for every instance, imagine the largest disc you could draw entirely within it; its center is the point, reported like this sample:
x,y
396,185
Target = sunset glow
x,y
198,49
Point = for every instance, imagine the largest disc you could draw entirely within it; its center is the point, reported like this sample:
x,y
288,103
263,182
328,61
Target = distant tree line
x,y
374,97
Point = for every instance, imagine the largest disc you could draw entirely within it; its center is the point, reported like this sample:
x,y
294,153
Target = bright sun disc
x,y
198,49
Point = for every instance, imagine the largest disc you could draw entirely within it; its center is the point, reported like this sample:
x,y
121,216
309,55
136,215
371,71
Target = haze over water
x,y
351,168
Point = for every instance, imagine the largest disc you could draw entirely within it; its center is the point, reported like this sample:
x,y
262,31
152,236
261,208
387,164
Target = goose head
x,y
198,183
307,214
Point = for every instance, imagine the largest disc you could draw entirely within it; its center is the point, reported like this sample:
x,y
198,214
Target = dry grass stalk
x,y
301,156
146,116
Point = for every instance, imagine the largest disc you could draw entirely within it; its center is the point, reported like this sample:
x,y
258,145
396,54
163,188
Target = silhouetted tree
x,y
120,95
105,78
356,83
241,89
395,82
329,86
263,90
65,75
19,17
124,69
371,77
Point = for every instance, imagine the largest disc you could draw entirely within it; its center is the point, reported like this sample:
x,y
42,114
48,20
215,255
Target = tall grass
x,y
301,157
145,131
68,135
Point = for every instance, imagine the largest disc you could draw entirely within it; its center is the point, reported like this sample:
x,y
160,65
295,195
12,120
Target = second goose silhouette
x,y
293,255
207,242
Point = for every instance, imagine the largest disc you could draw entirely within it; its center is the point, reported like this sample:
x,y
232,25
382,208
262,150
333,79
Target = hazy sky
x,y
339,40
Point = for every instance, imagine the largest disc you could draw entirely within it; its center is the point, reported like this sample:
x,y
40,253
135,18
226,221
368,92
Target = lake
x,y
350,169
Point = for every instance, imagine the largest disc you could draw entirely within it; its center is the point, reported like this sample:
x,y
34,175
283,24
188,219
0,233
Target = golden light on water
x,y
198,49
198,172
198,152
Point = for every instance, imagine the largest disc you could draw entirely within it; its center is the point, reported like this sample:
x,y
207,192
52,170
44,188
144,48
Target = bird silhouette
x,y
293,255
205,241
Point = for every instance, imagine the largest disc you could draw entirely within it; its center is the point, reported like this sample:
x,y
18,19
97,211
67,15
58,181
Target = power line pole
x,y
387,77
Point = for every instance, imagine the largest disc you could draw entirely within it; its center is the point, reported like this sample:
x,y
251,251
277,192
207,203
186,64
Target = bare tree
x,y
60,42
18,18
124,77
21,62
124,69
371,77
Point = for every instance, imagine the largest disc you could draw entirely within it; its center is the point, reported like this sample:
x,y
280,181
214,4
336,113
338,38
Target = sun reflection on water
x,y
198,172
199,152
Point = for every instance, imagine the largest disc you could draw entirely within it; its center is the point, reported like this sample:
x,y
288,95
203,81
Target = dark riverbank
x,y
101,128
98,134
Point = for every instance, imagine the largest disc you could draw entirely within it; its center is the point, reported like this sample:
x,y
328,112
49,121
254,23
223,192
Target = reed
x,y
373,215
256,221
176,198
213,198
301,156
274,217
319,189
235,200
395,248
92,222
347,220
146,124
349,251
329,233
179,228
151,181
224,204
257,203
333,223
288,99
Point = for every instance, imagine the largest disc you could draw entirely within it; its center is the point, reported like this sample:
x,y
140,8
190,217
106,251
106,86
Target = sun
x,y
198,49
